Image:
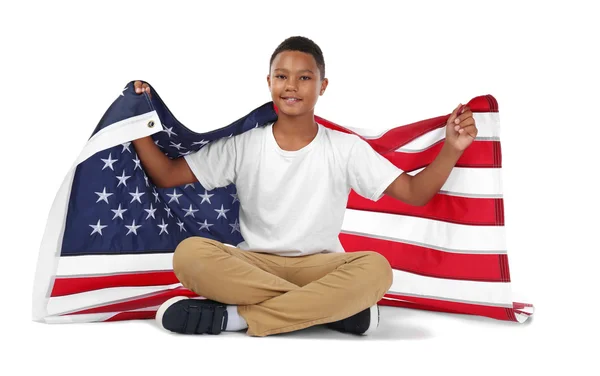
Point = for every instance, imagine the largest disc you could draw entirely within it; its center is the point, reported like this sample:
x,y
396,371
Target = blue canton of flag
x,y
114,206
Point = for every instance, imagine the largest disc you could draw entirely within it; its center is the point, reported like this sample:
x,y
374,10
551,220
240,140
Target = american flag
x,y
106,253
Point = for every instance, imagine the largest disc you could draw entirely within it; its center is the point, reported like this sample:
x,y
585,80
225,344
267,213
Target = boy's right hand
x,y
141,87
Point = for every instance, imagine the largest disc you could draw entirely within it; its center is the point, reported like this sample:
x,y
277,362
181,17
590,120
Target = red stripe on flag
x,y
393,138
483,103
135,315
399,136
429,262
499,313
518,305
497,153
442,207
478,154
67,286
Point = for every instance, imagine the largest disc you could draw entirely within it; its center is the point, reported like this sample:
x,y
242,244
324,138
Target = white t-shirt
x,y
292,203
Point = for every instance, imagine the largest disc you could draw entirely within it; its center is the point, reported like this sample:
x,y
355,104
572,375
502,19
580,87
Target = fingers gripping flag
x,y
106,253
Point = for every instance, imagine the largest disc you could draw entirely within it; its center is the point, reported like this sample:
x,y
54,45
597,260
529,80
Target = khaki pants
x,y
277,294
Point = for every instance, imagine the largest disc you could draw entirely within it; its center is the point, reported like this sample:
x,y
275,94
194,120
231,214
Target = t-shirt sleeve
x,y
369,173
215,164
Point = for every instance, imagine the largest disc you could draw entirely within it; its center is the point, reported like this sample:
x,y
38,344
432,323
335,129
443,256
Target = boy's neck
x,y
296,127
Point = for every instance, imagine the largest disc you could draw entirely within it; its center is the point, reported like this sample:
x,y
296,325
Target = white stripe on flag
x,y
111,264
472,182
114,134
91,317
485,293
90,299
443,236
488,126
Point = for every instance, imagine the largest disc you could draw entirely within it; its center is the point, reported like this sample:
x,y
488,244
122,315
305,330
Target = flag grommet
x,y
151,124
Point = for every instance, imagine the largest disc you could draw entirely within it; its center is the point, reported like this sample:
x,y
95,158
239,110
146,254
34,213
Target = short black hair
x,y
301,44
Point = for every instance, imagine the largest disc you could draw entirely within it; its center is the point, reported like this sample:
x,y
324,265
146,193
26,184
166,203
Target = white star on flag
x,y
126,147
169,131
163,227
177,146
174,196
150,212
204,225
190,211
122,179
118,212
235,197
137,164
221,212
108,162
235,226
103,196
136,196
132,228
97,228
205,197
180,224
168,210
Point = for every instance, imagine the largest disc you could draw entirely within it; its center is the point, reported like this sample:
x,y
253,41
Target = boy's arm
x,y
419,189
164,172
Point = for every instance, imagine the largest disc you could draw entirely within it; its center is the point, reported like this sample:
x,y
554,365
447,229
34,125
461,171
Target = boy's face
x,y
295,82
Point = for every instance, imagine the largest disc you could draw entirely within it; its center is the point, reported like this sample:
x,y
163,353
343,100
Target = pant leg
x,y
267,288
227,274
333,286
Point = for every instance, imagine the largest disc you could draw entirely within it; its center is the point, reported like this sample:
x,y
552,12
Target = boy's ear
x,y
269,81
324,86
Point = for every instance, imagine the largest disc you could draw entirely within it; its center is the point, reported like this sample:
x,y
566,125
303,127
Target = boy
x,y
293,178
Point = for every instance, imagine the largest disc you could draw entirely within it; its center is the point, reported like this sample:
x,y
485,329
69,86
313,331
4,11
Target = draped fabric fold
x,y
106,253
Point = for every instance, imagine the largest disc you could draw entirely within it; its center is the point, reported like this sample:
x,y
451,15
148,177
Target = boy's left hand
x,y
460,128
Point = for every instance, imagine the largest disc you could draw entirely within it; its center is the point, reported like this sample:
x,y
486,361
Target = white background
x,y
389,64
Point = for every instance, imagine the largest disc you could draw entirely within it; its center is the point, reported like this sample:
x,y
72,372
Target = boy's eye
x,y
283,77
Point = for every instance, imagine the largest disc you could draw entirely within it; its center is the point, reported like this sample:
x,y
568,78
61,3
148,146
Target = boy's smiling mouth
x,y
291,100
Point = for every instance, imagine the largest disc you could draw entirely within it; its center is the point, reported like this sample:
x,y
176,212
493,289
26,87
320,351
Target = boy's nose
x,y
291,85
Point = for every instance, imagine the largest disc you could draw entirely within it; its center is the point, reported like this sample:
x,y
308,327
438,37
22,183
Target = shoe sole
x,y
374,315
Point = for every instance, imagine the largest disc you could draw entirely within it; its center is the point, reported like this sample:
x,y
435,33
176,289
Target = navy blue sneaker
x,y
181,314
363,323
